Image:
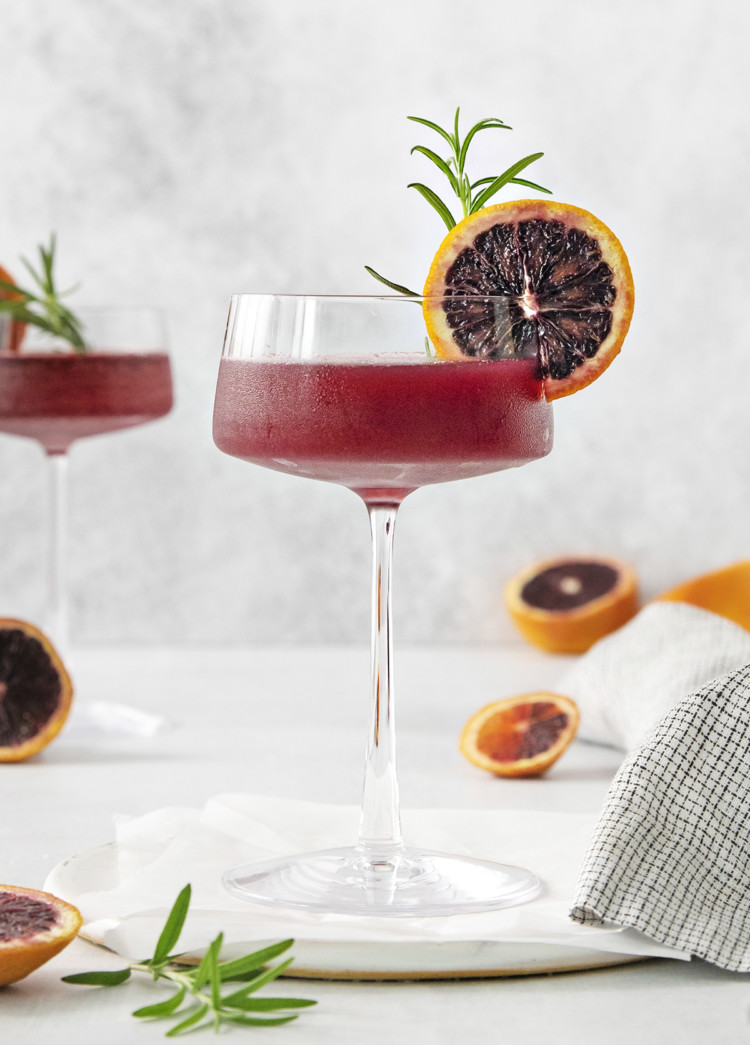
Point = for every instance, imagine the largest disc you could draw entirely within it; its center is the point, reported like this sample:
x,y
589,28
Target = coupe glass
x,y
50,393
343,389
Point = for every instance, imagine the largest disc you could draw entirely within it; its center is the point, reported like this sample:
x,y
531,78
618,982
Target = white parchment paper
x,y
155,855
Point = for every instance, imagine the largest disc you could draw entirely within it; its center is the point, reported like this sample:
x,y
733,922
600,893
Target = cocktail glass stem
x,y
380,823
57,594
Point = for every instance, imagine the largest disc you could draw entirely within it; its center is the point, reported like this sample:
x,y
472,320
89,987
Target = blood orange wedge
x,y
35,691
34,927
565,278
15,329
725,591
566,605
520,736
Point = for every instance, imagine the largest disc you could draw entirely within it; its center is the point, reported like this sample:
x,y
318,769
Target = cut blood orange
x,y
520,736
34,926
35,691
725,591
565,278
566,605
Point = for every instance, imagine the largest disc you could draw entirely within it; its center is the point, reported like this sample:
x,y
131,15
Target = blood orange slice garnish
x,y
566,605
35,691
34,926
565,278
15,330
520,736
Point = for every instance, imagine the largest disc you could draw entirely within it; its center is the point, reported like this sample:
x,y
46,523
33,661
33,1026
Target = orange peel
x,y
725,591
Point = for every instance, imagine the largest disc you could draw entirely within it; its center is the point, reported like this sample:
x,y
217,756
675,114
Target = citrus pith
x,y
565,605
34,927
532,277
35,690
520,736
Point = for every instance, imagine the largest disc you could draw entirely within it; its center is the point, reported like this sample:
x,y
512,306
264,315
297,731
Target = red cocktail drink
x,y
382,429
58,397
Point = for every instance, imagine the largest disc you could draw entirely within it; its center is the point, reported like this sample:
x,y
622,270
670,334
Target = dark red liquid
x,y
382,429
57,398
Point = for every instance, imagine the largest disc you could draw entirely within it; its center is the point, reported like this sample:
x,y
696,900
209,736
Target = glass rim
x,y
108,309
353,298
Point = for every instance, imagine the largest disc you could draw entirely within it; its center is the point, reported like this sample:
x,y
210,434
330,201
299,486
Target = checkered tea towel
x,y
629,680
670,855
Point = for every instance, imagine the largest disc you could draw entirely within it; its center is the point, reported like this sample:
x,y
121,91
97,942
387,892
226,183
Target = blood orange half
x,y
35,691
566,605
563,274
34,926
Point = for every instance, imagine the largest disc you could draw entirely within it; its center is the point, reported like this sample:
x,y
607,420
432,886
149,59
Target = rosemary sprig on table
x,y
43,306
197,999
472,195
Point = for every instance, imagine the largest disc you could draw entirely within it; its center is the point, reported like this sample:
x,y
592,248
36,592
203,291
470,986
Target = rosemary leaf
x,y
257,1021
170,934
214,977
100,978
481,126
191,1021
439,162
232,970
162,1008
394,286
503,179
530,185
434,200
257,982
271,1004
433,126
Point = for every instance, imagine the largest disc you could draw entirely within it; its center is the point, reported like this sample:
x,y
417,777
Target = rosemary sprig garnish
x,y
197,1000
472,195
43,307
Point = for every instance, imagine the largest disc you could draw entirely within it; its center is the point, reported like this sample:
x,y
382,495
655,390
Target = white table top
x,y
291,722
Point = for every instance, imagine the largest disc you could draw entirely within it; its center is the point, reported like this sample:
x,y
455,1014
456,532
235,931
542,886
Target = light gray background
x,y
187,149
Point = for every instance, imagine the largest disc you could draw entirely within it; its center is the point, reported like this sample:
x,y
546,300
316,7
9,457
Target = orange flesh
x,y
521,732
23,916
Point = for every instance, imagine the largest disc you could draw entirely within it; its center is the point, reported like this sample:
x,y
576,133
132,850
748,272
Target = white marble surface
x,y
191,148
291,722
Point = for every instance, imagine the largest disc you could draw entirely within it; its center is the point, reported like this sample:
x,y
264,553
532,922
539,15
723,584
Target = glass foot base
x,y
410,883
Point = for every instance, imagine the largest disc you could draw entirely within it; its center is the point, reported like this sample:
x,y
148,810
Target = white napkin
x,y
125,902
630,679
